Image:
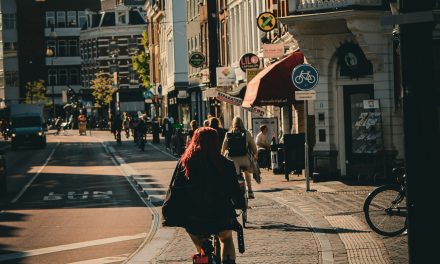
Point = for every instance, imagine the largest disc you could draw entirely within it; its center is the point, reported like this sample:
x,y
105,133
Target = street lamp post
x,y
51,53
114,53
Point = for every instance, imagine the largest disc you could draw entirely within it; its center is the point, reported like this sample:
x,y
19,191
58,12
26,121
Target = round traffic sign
x,y
196,59
305,77
249,61
266,21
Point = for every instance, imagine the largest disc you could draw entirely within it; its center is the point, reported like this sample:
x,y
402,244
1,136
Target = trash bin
x,y
294,154
277,159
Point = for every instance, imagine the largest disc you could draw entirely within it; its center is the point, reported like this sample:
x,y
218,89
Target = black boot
x,y
229,261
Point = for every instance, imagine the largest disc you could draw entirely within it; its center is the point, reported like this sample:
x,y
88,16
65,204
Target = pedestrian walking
x,y
215,123
118,128
211,197
142,132
126,124
240,147
155,130
194,125
263,147
167,131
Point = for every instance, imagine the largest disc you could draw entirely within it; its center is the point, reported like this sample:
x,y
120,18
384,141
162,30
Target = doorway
x,y
354,95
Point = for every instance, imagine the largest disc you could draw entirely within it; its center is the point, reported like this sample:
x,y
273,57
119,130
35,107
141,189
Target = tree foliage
x,y
141,62
36,92
102,89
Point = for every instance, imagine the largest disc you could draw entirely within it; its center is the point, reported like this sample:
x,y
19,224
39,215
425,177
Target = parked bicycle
x,y
385,208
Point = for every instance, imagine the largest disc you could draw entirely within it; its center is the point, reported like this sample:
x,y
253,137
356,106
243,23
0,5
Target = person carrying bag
x,y
204,193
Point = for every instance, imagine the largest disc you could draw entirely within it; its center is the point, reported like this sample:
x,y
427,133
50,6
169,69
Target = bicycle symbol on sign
x,y
305,76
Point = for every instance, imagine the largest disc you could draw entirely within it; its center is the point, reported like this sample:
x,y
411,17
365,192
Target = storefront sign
x,y
251,73
266,21
273,50
210,92
237,102
196,59
182,95
371,104
249,61
225,76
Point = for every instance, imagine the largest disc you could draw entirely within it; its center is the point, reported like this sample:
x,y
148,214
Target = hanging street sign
x,y
196,59
266,21
147,94
305,77
305,95
249,61
273,50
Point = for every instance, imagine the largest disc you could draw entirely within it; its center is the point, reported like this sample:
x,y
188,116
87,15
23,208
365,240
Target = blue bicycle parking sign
x,y
305,77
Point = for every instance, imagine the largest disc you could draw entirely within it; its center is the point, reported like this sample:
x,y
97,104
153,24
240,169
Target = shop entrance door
x,y
354,95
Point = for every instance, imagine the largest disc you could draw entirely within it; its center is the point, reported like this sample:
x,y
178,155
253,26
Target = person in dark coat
x,y
216,191
215,123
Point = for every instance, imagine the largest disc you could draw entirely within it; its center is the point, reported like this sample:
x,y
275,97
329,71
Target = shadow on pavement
x,y
8,231
293,228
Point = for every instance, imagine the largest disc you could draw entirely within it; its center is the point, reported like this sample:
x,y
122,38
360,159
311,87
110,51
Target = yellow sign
x,y
266,21
251,73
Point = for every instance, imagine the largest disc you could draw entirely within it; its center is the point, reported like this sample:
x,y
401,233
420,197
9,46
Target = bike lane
x,y
79,208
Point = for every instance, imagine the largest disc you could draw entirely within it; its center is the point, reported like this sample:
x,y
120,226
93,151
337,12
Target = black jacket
x,y
216,194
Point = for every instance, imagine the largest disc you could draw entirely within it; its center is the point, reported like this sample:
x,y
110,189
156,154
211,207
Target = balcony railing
x,y
318,5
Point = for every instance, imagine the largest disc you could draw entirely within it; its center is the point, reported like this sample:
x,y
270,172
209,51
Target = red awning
x,y
273,85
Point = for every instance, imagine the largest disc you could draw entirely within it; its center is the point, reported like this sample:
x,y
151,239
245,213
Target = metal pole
x,y
306,147
53,94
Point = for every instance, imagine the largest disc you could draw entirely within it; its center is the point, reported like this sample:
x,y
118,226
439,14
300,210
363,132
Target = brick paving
x,y
288,224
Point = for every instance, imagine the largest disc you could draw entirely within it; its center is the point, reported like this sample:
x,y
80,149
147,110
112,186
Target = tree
x,y
141,62
102,89
36,92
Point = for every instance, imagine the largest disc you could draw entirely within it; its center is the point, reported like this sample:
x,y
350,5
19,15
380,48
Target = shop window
x,y
61,19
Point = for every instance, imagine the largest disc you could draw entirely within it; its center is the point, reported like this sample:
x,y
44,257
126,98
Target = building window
x,y
61,19
71,19
62,48
82,19
62,75
50,19
73,48
52,77
122,18
9,48
52,44
11,79
74,76
9,21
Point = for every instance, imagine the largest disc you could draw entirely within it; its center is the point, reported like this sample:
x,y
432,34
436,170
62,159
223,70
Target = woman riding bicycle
x,y
215,192
238,145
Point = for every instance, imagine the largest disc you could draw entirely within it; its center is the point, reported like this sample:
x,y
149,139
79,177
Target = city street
x,y
85,199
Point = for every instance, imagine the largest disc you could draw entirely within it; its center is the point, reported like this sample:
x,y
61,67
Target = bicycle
x,y
385,208
305,76
211,250
242,183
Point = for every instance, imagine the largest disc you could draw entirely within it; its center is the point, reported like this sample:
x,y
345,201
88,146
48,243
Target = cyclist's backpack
x,y
237,143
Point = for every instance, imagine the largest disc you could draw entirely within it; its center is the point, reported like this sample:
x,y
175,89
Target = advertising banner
x,y
224,97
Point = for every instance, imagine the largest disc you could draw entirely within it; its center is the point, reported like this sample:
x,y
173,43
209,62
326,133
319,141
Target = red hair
x,y
204,145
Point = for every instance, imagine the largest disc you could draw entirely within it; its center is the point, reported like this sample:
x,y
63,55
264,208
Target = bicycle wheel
x,y
385,210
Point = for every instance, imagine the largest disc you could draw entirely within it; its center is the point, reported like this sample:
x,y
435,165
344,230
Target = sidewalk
x,y
289,225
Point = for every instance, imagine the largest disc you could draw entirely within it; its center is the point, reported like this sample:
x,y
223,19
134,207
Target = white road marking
x,y
36,175
41,251
106,260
